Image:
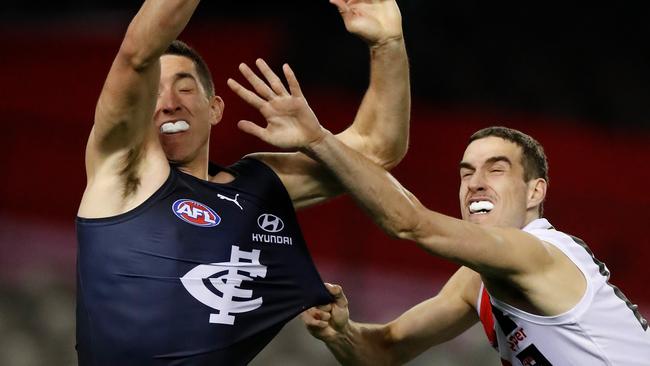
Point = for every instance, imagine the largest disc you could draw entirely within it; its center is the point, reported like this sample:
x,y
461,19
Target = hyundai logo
x,y
270,223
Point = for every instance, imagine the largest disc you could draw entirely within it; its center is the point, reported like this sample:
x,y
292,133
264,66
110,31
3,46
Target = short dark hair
x,y
533,157
180,48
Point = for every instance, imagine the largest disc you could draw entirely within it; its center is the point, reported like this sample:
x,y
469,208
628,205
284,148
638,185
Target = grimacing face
x,y
492,188
184,113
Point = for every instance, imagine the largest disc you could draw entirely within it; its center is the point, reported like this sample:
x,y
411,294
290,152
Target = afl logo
x,y
270,223
195,213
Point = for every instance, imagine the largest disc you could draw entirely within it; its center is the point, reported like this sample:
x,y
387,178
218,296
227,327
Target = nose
x,y
168,102
477,182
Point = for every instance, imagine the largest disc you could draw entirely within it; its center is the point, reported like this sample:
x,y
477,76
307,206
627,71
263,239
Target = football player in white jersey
x,y
543,298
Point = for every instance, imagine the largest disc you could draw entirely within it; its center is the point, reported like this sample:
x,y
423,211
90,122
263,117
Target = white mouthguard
x,y
475,207
173,127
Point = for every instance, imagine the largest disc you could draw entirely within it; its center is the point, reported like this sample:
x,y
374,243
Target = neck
x,y
198,166
531,216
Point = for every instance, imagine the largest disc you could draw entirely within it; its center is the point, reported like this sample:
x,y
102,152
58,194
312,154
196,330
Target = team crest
x,y
226,278
195,213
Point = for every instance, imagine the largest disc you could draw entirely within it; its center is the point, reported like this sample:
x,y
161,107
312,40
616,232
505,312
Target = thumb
x,y
339,297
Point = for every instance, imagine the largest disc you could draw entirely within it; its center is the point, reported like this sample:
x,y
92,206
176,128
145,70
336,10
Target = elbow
x,y
407,231
134,57
393,160
389,156
406,226
393,346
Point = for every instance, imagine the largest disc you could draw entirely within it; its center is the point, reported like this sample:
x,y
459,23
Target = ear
x,y
536,192
216,110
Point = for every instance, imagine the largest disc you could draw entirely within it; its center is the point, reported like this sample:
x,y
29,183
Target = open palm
x,y
291,124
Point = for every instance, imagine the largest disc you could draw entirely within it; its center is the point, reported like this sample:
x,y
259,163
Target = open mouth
x,y
480,207
174,127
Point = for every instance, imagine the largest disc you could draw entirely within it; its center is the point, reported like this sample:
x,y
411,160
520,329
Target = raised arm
x,y
401,215
292,124
380,128
123,142
427,324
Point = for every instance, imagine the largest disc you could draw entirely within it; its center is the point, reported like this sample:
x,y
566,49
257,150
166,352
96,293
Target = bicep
x,y
372,146
125,107
480,247
438,319
306,180
309,182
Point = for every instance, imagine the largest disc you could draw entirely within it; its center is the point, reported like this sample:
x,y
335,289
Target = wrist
x,y
343,340
318,142
387,43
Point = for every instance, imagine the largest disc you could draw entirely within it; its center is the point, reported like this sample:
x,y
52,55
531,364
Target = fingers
x,y
327,307
251,128
248,96
315,318
294,86
339,297
271,77
258,84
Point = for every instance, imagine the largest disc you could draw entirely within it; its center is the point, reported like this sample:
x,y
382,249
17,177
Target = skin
x,y
127,157
182,97
534,276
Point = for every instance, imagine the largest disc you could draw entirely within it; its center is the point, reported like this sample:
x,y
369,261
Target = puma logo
x,y
233,200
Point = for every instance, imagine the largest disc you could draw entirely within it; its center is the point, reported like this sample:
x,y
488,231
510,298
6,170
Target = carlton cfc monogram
x,y
227,283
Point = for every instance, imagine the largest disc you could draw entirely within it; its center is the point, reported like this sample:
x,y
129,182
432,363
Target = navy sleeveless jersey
x,y
199,274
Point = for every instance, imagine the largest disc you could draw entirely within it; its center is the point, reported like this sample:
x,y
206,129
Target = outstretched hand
x,y
327,322
375,21
291,124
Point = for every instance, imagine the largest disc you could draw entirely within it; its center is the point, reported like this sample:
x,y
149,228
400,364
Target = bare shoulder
x,y
556,289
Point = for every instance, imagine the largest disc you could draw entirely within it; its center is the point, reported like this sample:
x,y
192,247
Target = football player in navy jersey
x,y
150,141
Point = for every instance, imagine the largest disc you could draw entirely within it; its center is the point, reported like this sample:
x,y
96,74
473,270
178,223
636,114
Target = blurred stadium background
x,y
575,78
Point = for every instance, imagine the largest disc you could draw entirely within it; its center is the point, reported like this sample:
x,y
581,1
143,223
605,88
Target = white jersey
x,y
604,328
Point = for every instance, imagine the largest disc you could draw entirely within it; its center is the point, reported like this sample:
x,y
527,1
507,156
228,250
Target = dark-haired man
x,y
181,265
542,296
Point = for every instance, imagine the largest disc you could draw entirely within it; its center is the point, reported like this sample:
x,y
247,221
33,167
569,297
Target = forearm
x,y
376,191
127,100
362,344
155,26
383,117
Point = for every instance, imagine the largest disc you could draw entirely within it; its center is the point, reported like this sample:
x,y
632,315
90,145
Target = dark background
x,y
574,77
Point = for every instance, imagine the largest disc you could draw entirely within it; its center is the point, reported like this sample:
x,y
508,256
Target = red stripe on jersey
x,y
487,319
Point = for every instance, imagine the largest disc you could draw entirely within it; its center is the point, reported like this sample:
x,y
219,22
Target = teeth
x,y
173,127
478,206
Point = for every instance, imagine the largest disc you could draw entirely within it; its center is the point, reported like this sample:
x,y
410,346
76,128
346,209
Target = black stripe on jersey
x,y
505,323
532,356
603,271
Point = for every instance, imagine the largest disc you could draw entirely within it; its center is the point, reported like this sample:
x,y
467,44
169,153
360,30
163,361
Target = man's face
x,y
492,188
184,112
